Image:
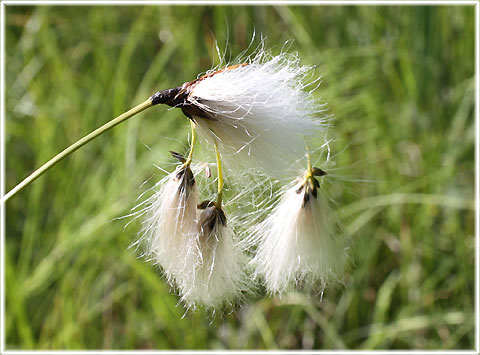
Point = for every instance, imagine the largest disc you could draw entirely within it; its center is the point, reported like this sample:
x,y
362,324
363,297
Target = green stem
x,y
309,159
124,116
192,145
220,177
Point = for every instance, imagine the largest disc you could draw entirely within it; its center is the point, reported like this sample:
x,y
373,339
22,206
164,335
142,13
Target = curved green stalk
x,y
44,168
309,159
192,145
309,172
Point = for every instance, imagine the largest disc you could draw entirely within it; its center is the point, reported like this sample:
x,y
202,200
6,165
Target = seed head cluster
x,y
257,115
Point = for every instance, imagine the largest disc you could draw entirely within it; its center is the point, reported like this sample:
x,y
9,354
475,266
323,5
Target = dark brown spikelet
x,y
184,175
318,172
178,97
187,180
310,186
211,216
178,156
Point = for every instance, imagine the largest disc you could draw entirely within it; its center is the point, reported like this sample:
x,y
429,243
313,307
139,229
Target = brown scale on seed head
x,y
310,185
184,174
218,71
211,216
178,97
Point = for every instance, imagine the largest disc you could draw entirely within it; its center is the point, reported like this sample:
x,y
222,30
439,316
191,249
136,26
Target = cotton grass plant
x,y
256,115
298,242
258,111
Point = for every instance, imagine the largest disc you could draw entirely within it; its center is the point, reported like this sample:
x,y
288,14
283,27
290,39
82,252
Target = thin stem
x,y
309,159
192,145
309,162
309,172
124,116
220,177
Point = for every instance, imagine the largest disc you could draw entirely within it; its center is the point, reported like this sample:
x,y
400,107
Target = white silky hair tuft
x,y
298,245
170,222
214,274
261,112
205,264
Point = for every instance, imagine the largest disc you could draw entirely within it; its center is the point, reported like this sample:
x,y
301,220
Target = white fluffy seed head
x,y
196,249
214,274
260,112
171,221
261,115
298,244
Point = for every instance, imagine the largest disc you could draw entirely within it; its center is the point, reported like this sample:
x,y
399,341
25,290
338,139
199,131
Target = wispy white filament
x,y
214,268
260,113
197,251
298,245
170,224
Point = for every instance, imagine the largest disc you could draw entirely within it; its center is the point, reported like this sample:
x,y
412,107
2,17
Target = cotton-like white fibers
x,y
259,115
171,221
195,248
215,267
298,244
260,111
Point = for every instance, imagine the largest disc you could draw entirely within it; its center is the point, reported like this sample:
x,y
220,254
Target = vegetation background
x,y
399,81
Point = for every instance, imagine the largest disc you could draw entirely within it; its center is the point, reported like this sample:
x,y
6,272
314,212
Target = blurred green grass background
x,y
399,81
